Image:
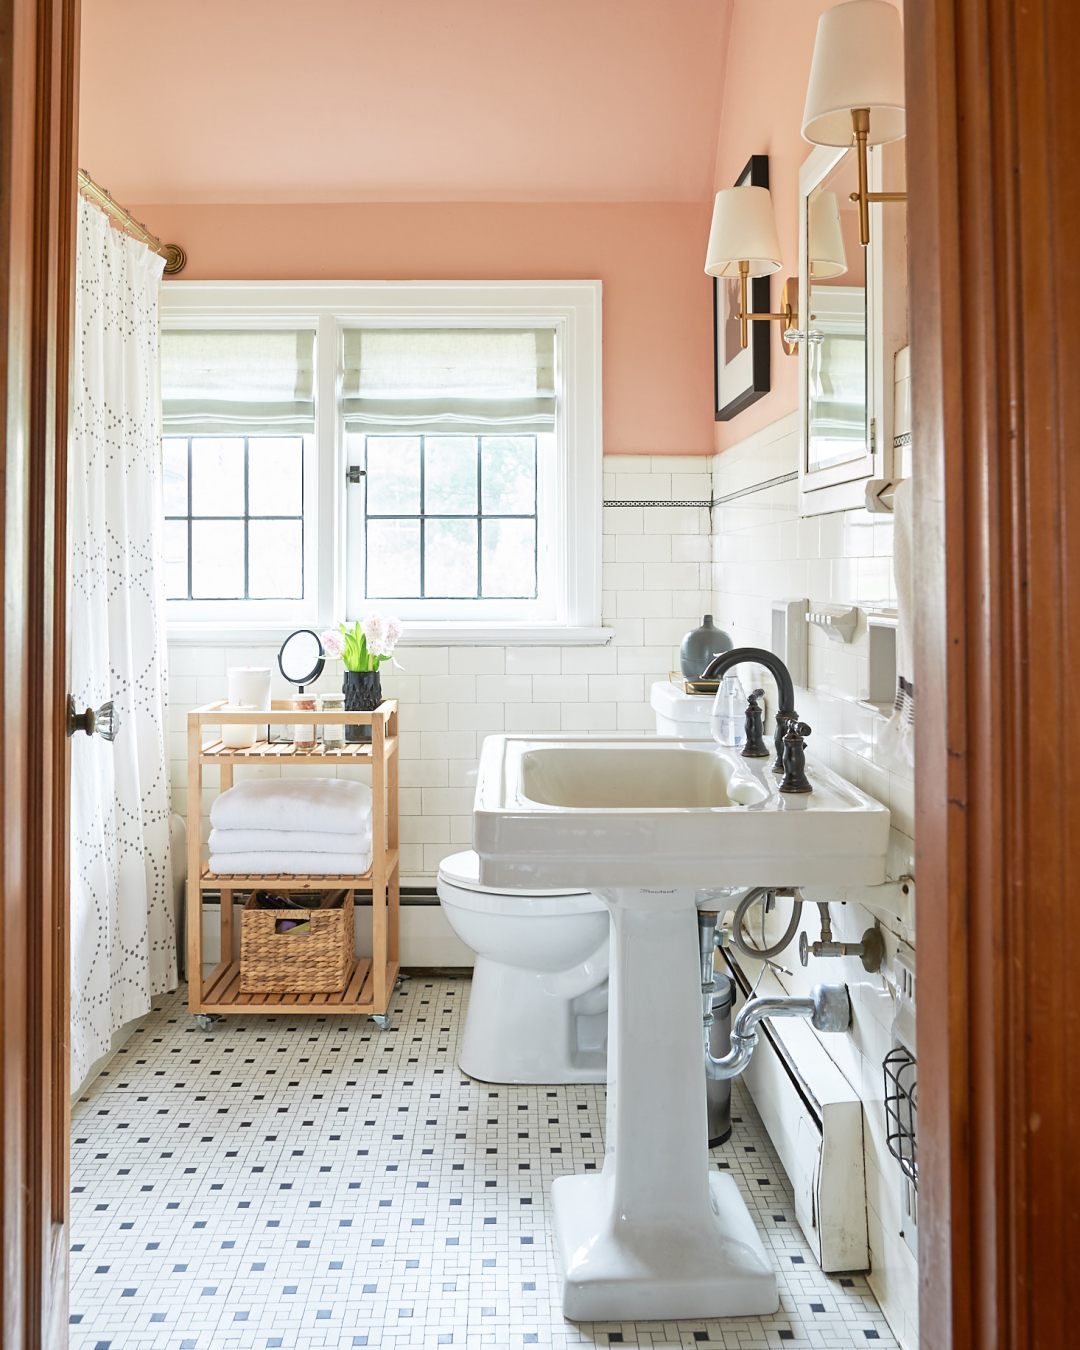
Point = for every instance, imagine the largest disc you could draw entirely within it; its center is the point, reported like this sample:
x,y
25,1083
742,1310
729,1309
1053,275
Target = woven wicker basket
x,y
313,960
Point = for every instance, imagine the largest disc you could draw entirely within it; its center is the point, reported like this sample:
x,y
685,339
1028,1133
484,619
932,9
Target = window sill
x,y
415,635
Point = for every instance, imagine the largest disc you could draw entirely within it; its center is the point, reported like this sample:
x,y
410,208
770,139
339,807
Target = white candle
x,y
238,736
250,685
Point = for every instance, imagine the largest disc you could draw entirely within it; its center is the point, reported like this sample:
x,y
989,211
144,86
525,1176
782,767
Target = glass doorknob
x,y
103,721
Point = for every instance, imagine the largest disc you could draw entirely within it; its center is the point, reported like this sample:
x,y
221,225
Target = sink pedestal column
x,y
657,1234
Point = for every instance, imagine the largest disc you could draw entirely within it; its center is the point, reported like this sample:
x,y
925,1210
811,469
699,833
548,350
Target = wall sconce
x,y
743,243
856,88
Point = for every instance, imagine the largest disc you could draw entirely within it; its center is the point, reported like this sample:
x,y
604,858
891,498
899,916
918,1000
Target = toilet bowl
x,y
538,1007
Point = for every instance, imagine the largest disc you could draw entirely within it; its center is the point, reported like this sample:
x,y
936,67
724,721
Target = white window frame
x,y
571,308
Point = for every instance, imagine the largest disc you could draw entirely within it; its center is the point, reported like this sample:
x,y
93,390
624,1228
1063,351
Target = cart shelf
x,y
371,982
215,752
222,994
290,881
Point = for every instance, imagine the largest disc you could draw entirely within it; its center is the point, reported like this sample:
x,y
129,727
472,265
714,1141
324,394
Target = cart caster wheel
x,y
206,1020
382,1021
399,982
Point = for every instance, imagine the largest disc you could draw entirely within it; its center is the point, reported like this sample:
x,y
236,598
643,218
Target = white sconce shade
x,y
858,63
827,256
743,231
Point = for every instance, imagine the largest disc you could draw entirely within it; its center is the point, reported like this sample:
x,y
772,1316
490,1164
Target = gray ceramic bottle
x,y
699,647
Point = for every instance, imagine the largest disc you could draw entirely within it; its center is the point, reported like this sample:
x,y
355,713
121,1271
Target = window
x,y
234,517
449,517
452,432
431,449
238,452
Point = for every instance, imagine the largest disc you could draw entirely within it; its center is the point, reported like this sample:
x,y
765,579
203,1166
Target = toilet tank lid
x,y
463,870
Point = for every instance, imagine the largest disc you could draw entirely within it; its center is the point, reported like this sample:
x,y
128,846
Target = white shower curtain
x,y
123,944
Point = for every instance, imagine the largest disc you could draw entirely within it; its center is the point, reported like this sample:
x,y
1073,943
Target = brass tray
x,y
693,686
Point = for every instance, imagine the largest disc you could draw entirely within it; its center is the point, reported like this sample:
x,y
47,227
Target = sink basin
x,y
612,776
631,811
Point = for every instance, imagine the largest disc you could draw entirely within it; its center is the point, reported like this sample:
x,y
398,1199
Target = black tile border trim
x,y
704,503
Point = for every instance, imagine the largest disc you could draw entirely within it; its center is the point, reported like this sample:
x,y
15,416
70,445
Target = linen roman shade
x,y
445,380
218,382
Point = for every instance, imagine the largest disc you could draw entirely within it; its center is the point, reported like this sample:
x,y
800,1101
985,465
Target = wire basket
x,y
901,1110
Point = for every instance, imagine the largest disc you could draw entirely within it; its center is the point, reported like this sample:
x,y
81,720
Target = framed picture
x,y
741,374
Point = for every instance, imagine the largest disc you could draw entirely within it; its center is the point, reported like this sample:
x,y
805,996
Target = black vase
x,y
363,693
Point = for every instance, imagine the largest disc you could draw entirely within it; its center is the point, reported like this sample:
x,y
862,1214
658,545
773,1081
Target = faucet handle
x,y
783,720
795,779
754,725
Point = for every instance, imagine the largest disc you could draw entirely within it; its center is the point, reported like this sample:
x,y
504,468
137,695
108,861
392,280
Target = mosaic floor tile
x,y
315,1184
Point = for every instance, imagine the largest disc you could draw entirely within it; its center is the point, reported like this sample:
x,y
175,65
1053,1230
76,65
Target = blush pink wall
x,y
770,46
768,64
657,301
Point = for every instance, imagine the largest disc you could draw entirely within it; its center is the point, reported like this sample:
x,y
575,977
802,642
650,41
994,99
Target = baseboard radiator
x,y
815,1121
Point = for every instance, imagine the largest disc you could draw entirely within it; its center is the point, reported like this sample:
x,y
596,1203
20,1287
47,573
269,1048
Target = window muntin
x,y
450,517
234,517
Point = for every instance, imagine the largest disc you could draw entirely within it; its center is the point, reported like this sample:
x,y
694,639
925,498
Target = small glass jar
x,y
304,732
333,733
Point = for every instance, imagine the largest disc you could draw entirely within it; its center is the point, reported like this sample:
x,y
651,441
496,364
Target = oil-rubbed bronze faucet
x,y
790,751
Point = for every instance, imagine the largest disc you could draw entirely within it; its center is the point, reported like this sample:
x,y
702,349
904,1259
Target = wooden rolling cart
x,y
371,982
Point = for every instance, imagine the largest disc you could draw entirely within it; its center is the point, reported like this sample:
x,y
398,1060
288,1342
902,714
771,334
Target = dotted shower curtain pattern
x,y
123,943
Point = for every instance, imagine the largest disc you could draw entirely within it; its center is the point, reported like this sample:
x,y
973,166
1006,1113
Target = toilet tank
x,y
679,713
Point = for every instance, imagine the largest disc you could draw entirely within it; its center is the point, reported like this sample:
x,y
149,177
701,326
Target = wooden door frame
x,y
993,125
38,123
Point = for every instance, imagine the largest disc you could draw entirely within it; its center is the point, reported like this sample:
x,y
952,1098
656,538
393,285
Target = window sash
x,y
245,519
541,607
480,516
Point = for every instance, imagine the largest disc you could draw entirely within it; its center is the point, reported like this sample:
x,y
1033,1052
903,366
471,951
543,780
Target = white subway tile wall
x,y
763,551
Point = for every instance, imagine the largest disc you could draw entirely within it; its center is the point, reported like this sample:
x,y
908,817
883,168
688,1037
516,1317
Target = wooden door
x,y
38,51
994,234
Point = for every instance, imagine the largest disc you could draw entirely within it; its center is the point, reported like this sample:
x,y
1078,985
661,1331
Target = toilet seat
x,y
461,871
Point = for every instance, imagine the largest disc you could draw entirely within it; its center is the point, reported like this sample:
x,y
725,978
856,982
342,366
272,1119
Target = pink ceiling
x,y
402,100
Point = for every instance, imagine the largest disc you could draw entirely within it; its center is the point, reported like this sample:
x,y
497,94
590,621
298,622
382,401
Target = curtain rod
x,y
174,255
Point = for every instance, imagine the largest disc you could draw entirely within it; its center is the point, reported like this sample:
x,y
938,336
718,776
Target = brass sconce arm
x,y
788,316
860,120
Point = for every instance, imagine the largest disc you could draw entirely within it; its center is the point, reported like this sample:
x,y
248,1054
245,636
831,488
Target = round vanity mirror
x,y
301,658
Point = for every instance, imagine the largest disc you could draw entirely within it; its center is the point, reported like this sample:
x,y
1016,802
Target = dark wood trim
x,y
755,174
38,64
994,121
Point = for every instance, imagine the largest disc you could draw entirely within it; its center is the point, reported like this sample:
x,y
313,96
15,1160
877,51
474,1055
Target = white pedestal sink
x,y
650,825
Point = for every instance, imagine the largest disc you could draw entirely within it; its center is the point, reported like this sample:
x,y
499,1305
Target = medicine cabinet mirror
x,y
847,347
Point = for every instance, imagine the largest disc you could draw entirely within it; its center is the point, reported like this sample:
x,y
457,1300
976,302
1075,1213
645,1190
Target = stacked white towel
x,y
300,827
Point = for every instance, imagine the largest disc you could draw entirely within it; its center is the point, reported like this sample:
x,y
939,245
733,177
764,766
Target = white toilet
x,y
538,1007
